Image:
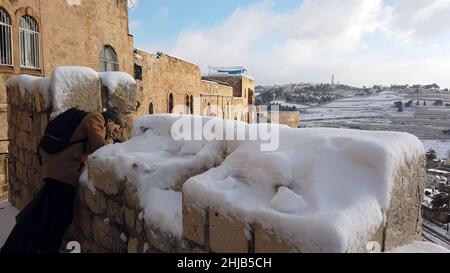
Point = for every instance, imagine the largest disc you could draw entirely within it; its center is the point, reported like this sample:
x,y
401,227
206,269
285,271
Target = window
x,y
188,104
150,109
192,105
170,104
29,43
108,59
5,39
137,72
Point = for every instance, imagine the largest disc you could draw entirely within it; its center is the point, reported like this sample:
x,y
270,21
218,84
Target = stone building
x,y
38,36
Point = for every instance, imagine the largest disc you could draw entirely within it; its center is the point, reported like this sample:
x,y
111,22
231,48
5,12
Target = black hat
x,y
114,115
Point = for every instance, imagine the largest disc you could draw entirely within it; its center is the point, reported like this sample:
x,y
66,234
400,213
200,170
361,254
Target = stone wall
x,y
28,117
109,217
111,220
291,119
223,233
70,35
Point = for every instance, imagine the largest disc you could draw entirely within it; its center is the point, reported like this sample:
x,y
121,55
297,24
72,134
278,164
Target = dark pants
x,y
41,225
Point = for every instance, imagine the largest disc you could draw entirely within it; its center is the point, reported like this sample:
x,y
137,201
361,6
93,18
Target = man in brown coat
x,y
42,224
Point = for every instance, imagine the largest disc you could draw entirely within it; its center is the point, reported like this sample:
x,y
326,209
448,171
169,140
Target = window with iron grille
x,y
108,59
5,39
29,43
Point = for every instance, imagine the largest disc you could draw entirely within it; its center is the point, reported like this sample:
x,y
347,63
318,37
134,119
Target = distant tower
x,y
332,80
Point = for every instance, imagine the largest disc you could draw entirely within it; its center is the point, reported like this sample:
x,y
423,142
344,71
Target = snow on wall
x,y
71,86
30,84
114,79
155,163
326,190
323,189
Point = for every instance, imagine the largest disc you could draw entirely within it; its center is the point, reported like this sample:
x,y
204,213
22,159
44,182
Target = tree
x,y
440,201
431,155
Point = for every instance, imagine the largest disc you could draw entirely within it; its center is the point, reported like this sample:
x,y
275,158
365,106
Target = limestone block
x,y
75,87
194,221
115,212
107,236
130,218
133,245
85,222
95,202
131,195
268,242
404,223
103,177
160,240
119,89
227,234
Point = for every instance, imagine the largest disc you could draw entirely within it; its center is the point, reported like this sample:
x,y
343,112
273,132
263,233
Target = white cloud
x,y
419,19
319,38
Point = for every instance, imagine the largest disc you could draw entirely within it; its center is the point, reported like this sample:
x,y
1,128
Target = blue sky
x,y
362,42
165,19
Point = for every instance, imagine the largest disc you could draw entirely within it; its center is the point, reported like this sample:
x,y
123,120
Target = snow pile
x,y
325,190
114,79
72,86
29,84
7,220
156,163
66,81
420,247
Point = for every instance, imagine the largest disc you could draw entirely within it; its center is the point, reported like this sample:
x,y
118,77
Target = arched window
x,y
192,105
250,97
150,109
30,41
108,59
170,104
5,39
188,104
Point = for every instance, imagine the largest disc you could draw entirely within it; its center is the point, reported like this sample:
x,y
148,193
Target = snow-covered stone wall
x,y
321,190
28,115
32,101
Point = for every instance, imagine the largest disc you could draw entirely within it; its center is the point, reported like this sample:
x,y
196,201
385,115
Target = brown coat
x,y
67,165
